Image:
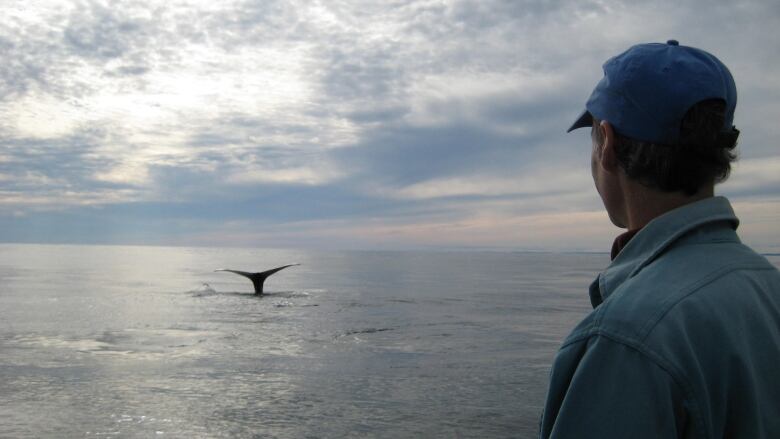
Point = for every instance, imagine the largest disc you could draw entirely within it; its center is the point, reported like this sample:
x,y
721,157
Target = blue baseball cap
x,y
646,91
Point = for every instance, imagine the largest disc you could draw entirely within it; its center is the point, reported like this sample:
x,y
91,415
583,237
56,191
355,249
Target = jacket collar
x,y
656,237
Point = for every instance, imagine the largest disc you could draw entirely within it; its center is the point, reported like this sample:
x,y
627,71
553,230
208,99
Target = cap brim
x,y
585,120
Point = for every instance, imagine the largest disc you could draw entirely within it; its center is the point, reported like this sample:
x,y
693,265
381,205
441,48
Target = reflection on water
x,y
149,342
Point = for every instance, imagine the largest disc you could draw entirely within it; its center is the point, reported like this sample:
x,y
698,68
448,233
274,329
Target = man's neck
x,y
642,204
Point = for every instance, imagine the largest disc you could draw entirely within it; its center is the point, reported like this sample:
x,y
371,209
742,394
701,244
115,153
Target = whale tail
x,y
258,278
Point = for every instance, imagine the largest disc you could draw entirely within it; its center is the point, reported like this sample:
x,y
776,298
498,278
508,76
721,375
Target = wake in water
x,y
204,290
208,290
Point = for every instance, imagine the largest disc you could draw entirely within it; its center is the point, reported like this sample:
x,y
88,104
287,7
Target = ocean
x,y
138,342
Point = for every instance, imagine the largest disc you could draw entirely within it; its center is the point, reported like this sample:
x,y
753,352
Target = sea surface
x,y
139,342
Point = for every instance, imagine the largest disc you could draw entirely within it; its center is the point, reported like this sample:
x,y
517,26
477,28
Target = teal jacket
x,y
683,341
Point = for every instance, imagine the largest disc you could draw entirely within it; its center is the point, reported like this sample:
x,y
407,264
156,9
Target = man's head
x,y
668,111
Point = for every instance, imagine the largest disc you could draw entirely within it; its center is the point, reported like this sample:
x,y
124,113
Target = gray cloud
x,y
96,31
55,173
24,64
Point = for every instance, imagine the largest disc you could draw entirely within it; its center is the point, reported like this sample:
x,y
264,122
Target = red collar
x,y
621,241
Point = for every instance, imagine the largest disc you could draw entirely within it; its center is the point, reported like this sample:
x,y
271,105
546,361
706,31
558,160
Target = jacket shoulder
x,y
698,274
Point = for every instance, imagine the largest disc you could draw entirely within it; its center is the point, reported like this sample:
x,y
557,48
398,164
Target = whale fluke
x,y
258,278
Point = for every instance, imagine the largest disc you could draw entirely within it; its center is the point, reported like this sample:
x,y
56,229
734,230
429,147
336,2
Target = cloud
x,y
95,30
57,172
359,123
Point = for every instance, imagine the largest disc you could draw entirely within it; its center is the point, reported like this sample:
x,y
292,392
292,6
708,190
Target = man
x,y
684,338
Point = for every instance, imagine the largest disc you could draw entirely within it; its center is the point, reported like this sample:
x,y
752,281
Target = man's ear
x,y
607,154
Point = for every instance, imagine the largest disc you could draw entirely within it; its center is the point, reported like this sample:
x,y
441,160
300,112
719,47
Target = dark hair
x,y
702,156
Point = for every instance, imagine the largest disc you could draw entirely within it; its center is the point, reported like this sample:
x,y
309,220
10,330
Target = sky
x,y
345,124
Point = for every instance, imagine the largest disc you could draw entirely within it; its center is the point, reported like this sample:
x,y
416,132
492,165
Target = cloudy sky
x,y
345,123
